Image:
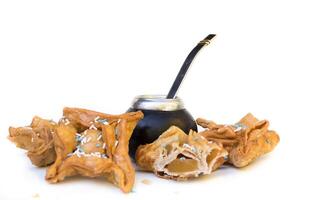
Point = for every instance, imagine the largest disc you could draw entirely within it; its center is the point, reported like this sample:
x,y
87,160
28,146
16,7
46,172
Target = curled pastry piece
x,y
37,139
178,156
100,149
245,141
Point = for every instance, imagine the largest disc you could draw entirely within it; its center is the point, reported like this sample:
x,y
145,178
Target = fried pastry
x,y
178,156
37,139
101,149
245,141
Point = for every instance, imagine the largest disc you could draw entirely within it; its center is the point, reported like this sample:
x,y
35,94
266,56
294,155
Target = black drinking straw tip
x,y
185,66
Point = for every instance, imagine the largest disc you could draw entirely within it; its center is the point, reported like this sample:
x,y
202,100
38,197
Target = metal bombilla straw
x,y
185,66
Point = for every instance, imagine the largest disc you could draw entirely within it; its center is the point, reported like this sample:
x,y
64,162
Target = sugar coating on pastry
x,y
178,156
245,141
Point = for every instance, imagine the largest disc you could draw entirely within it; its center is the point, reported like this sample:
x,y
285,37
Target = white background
x,y
99,55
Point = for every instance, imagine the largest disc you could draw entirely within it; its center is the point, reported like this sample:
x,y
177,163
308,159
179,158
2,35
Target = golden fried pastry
x,y
178,156
245,141
101,149
37,139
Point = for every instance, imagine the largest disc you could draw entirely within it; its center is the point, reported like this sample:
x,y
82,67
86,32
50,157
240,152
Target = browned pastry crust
x,y
84,142
245,141
101,149
178,156
37,139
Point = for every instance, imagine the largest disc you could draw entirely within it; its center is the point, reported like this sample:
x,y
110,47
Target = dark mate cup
x,y
159,114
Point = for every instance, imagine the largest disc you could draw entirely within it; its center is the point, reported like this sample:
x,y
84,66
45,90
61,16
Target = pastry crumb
x,y
36,196
146,182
